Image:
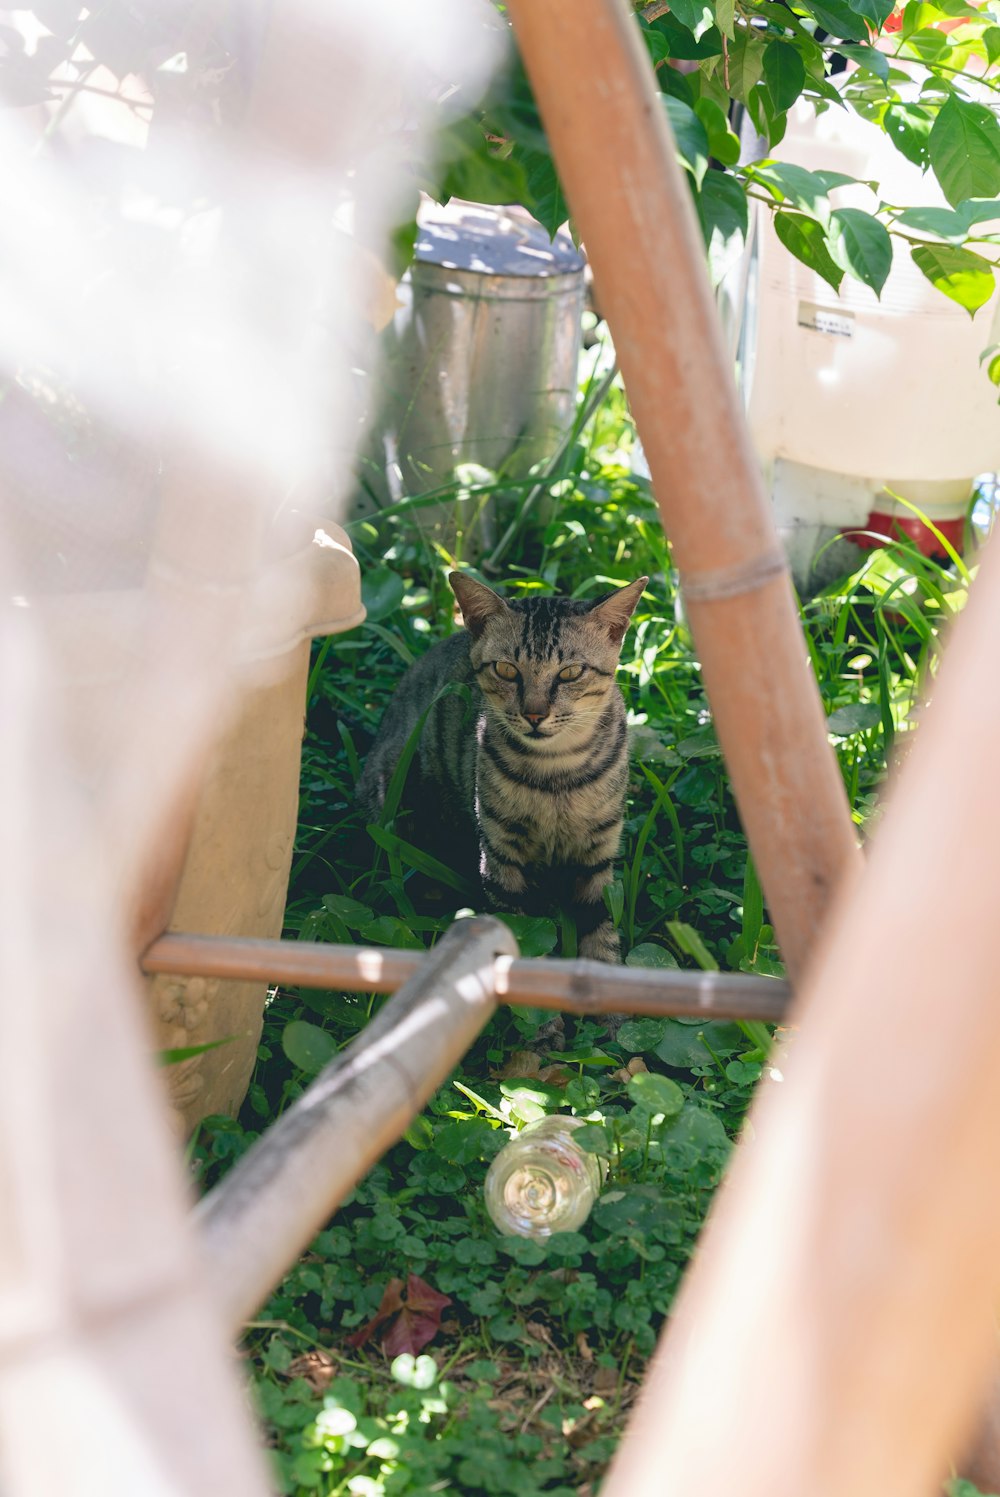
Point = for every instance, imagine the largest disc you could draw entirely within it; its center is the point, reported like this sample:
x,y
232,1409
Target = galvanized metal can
x,y
480,368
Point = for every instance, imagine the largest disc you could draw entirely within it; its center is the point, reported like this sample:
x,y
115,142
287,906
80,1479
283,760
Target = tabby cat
x,y
527,789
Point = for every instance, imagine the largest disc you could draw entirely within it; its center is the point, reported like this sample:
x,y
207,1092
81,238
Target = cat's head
x,y
546,666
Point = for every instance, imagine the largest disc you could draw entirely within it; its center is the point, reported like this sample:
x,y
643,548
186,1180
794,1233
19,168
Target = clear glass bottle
x,y
542,1181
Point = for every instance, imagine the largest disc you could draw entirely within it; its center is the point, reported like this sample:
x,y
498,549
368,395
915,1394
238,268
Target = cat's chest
x,y
553,825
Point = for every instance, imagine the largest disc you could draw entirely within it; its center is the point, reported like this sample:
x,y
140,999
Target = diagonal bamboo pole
x,y
277,1197
608,131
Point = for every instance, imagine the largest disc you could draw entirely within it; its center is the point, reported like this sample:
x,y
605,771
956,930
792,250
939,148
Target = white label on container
x,y
826,320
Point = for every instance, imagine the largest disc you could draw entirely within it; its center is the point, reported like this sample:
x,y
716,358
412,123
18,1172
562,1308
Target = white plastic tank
x,y
849,395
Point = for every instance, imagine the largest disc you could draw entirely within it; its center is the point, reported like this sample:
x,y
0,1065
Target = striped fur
x,y
521,775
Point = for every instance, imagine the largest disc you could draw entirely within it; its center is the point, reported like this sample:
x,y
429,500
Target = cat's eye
x,y
505,670
571,673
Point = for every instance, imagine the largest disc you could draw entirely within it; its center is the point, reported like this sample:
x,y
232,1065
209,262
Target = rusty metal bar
x,y
630,201
274,1200
580,987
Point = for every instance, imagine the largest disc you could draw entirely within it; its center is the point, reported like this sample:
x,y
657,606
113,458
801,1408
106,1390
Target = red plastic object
x,y
881,528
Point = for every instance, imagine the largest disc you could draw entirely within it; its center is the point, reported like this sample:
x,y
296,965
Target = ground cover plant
x,y
413,1349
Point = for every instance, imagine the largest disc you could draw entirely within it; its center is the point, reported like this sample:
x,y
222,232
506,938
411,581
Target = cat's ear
x,y
614,612
477,602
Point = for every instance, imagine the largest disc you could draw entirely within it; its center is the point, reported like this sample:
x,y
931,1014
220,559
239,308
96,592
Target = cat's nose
x,y
534,718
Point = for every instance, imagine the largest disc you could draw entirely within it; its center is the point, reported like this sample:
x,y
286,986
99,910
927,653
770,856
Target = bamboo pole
x,y
850,1272
608,131
284,1188
579,987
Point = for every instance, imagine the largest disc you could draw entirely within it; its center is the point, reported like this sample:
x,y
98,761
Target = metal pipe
x,y
274,1200
631,203
579,987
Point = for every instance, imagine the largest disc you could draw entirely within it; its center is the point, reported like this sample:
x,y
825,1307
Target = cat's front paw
x,y
601,944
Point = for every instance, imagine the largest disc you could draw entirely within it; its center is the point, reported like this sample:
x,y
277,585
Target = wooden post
x,y
604,116
272,1203
837,1329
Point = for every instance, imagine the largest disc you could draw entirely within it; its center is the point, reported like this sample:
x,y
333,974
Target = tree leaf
x,y
746,64
838,19
784,73
804,238
725,18
307,1046
722,208
690,137
544,195
794,185
722,143
859,244
695,15
966,278
964,149
638,1036
944,223
869,58
908,126
876,12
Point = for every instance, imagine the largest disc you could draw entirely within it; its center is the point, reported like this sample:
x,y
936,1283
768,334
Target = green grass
x,y
524,1387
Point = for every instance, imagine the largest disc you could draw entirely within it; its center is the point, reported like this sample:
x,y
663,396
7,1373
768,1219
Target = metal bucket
x,y
480,368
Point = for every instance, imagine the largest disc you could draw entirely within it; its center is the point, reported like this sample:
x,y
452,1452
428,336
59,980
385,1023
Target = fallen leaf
x,y
635,1065
412,1319
583,1347
524,1063
316,1367
605,1380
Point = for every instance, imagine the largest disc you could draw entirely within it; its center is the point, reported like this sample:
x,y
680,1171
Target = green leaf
x,y
475,172
722,208
794,185
944,223
964,277
420,1134
753,907
722,143
746,64
381,592
649,954
656,43
975,212
838,19
691,943
535,935
908,126
991,41
690,137
415,857
656,1093
466,1140
684,1047
307,1046
639,1036
964,148
869,58
856,717
805,239
725,19
695,15
991,358
876,12
859,244
784,73
174,1056
544,195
